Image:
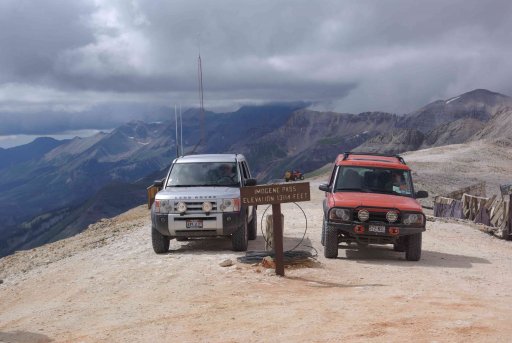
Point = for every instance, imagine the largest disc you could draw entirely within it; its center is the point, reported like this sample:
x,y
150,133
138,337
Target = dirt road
x,y
106,284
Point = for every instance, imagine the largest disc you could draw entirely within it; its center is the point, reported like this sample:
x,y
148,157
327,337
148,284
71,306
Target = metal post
x,y
278,238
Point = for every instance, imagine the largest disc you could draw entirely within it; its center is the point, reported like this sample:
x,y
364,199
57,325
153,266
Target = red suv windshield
x,y
374,180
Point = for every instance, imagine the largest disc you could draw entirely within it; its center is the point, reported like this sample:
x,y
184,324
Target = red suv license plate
x,y
377,228
194,224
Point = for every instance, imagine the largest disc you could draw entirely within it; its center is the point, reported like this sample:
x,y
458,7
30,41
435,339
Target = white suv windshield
x,y
374,180
204,174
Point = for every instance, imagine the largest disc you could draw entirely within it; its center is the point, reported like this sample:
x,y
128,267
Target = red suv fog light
x,y
359,229
393,231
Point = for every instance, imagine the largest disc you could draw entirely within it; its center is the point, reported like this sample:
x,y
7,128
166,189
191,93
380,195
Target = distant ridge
x,y
31,151
479,104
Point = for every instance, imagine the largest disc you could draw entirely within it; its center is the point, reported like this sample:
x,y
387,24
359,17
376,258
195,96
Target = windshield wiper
x,y
389,192
353,189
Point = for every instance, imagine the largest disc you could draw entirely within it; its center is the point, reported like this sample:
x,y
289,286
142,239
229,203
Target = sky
x,y
91,65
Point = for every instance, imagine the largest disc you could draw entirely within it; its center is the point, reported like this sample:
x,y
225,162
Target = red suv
x,y
370,199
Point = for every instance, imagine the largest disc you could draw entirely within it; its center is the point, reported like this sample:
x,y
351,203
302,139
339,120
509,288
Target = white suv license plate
x,y
194,224
377,228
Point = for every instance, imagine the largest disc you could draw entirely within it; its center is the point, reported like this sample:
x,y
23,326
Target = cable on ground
x,y
290,256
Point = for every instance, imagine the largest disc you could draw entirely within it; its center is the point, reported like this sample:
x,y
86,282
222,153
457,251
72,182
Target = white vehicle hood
x,y
190,193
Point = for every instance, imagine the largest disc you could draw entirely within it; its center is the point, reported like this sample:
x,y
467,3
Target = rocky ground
x,y
106,284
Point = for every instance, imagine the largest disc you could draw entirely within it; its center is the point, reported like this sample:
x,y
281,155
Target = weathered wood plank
x,y
488,203
498,212
495,207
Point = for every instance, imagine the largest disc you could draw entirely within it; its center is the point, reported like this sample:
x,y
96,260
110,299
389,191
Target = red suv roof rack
x,y
346,154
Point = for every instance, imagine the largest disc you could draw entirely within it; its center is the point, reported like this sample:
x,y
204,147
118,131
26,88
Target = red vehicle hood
x,y
353,200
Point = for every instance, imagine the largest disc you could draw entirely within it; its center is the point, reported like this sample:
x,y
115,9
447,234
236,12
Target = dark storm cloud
x,y
70,58
33,34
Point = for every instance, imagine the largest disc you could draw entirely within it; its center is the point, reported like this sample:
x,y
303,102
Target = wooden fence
x,y
493,212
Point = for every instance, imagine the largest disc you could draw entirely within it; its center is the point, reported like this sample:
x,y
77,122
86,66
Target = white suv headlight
x,y
163,206
230,205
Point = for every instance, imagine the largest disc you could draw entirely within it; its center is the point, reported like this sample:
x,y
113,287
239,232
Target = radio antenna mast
x,y
201,100
177,141
201,97
181,132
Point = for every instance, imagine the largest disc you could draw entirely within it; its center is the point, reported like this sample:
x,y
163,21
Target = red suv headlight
x,y
339,214
416,219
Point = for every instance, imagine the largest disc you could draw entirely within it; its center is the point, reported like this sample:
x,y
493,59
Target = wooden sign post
x,y
276,194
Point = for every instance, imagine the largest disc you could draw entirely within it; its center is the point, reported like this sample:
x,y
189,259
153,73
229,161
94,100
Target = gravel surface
x,y
107,285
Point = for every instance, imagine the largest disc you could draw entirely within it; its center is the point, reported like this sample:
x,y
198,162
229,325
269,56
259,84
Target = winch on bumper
x,y
193,225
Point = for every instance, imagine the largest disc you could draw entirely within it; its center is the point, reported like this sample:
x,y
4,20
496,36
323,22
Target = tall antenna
x,y
181,132
177,141
201,98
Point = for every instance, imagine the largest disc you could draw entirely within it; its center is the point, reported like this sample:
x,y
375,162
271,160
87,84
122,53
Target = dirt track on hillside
x,y
106,284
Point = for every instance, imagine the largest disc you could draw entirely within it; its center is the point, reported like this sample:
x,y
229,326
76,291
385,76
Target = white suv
x,y
200,197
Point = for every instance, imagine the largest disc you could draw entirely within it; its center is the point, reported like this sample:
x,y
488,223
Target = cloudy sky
x,y
67,65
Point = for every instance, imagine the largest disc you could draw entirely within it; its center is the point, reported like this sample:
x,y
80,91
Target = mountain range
x,y
53,189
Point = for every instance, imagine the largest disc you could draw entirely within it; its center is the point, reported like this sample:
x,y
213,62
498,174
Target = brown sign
x,y
275,193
